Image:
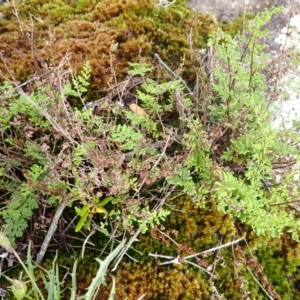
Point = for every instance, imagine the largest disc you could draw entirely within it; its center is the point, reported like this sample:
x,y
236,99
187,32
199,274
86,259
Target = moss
x,y
193,229
237,26
175,282
281,261
43,33
273,262
86,30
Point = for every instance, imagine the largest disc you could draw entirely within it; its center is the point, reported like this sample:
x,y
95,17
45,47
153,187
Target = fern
x,y
249,203
19,211
79,84
256,144
127,137
152,93
139,69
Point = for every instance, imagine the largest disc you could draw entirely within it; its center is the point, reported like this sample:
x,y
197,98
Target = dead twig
x,y
51,231
173,73
181,260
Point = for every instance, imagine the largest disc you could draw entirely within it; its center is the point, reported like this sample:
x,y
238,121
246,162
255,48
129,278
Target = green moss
x,y
174,282
237,26
273,262
281,261
194,229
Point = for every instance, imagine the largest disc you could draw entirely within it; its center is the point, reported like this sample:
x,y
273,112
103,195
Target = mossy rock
x,y
41,35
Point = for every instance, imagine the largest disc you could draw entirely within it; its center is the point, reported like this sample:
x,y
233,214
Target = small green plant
x,y
232,152
23,202
87,212
19,287
253,144
139,69
52,284
88,162
79,84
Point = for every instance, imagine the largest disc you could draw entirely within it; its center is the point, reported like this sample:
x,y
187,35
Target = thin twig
x,y
215,248
43,112
51,231
259,284
163,153
167,236
180,260
173,73
201,268
214,264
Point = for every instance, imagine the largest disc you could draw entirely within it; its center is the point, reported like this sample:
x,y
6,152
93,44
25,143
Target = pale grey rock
x,y
228,10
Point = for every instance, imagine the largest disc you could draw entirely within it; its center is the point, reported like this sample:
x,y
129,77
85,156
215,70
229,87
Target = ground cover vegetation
x,y
118,132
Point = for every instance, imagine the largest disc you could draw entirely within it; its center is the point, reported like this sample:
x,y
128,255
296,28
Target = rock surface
x,y
228,10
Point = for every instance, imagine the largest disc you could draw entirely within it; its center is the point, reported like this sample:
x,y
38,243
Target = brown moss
x,y
44,33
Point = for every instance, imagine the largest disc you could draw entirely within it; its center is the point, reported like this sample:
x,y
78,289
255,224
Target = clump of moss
x,y
175,282
273,262
237,25
281,261
192,227
43,34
